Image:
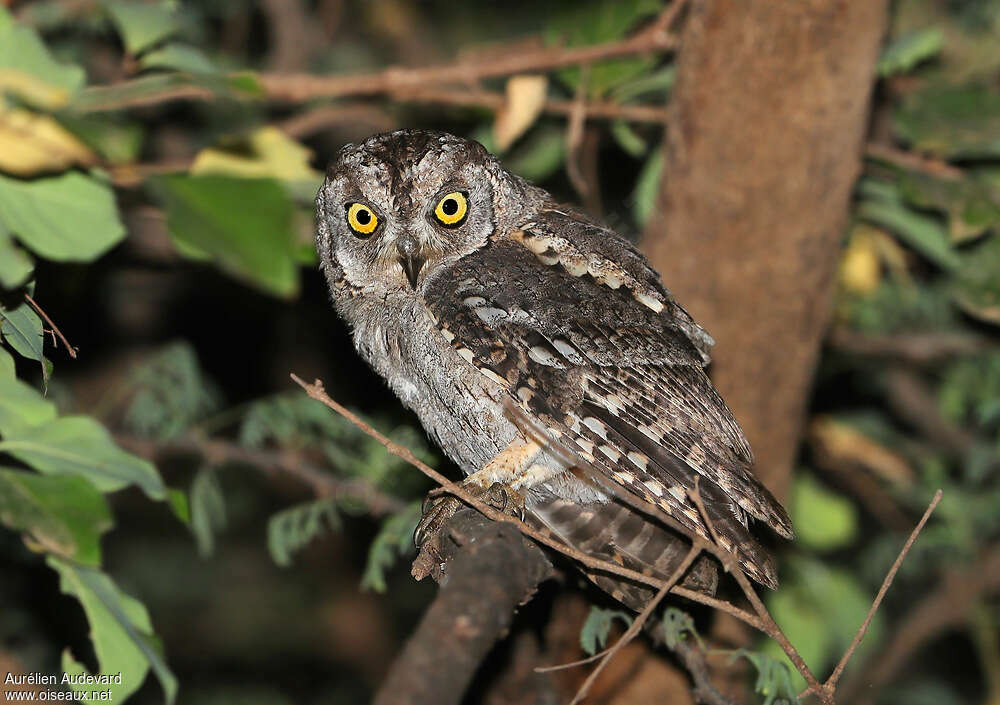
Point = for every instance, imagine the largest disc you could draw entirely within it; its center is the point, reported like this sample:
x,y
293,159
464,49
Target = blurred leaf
x,y
628,139
525,99
31,144
22,329
904,307
860,270
677,624
922,691
820,608
27,68
265,153
208,510
20,405
16,265
149,88
80,445
656,84
64,515
922,233
66,217
977,284
179,57
539,155
953,122
291,530
120,630
7,371
597,627
178,502
143,24
595,23
823,520
171,393
904,53
116,139
245,225
394,539
774,678
972,204
647,188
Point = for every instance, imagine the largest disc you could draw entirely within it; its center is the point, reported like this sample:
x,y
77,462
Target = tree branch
x,y
491,570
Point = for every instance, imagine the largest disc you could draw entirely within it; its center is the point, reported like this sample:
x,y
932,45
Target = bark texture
x,y
488,570
764,144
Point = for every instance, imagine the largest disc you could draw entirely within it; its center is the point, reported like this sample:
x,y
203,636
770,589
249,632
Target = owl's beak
x,y
412,265
410,259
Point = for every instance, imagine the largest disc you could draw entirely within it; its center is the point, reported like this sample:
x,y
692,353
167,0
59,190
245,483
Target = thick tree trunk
x,y
764,144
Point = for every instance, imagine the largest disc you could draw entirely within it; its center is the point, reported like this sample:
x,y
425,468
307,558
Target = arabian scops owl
x,y
473,292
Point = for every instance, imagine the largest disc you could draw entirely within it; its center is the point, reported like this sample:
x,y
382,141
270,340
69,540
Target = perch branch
x,y
492,569
762,620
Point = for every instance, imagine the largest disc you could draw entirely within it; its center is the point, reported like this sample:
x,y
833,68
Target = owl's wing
x,y
604,362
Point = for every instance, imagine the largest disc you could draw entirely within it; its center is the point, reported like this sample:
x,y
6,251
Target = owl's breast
x,y
456,404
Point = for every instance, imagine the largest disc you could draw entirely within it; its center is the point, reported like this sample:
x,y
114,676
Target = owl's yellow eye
x,y
452,209
361,218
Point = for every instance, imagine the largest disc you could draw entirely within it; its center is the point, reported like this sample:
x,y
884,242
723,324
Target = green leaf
x,y
774,677
677,624
972,204
395,538
291,530
170,393
20,405
149,88
28,69
178,502
7,369
820,609
22,329
595,23
823,519
143,24
924,234
976,287
595,630
16,265
65,217
120,630
64,515
80,445
208,510
647,188
245,225
953,122
179,57
905,52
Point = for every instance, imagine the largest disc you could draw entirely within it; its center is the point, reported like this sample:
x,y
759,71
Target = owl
x,y
541,352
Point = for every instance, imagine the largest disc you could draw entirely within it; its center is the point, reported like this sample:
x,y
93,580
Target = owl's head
x,y
399,206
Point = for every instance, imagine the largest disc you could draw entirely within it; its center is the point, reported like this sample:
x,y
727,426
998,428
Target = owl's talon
x,y
439,507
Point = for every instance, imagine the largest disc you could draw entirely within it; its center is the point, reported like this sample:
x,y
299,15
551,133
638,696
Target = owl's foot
x,y
438,510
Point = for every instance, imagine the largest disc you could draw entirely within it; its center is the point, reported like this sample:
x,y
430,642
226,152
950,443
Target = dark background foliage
x,y
157,168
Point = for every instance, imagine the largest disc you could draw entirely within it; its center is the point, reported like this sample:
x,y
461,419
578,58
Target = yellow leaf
x,y
265,153
525,100
860,270
31,144
32,89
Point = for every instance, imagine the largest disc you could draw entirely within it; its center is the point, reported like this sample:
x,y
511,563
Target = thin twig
x,y
912,161
732,566
219,451
55,329
637,623
402,82
831,683
763,621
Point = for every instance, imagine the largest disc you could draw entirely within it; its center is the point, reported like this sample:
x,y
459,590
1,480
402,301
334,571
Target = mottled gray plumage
x,y
526,302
